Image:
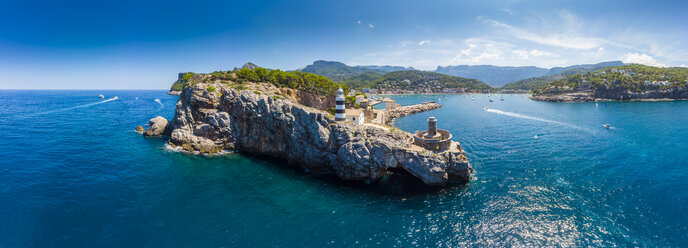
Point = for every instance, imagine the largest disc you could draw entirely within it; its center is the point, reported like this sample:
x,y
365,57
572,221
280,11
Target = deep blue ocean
x,y
74,174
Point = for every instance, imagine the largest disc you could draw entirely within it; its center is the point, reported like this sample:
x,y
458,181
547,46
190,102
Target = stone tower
x,y
433,139
340,110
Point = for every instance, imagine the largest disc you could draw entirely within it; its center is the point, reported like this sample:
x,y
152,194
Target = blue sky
x,y
143,44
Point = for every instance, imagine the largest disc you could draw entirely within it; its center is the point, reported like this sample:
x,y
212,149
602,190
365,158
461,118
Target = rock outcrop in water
x,y
157,126
277,125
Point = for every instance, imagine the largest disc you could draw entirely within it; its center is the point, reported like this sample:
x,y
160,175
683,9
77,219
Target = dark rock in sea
x,y
282,127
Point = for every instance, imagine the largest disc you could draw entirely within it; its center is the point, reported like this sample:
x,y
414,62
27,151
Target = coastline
x,y
577,97
265,120
471,93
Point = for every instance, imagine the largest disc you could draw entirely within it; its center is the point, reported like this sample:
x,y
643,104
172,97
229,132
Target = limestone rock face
x,y
263,124
139,129
157,126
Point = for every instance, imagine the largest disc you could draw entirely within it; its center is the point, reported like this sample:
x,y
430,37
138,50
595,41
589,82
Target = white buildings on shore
x,y
356,116
365,113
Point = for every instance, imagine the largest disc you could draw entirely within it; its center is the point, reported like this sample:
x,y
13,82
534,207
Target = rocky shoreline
x,y
268,123
568,97
614,94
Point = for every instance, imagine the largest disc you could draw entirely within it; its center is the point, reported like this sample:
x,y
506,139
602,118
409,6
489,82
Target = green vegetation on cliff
x,y
558,73
628,78
295,80
406,81
183,78
424,81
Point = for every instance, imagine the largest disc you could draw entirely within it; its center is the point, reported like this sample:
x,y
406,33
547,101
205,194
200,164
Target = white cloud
x,y
565,30
508,11
555,39
644,59
479,50
682,65
552,39
534,53
371,26
359,22
437,52
544,39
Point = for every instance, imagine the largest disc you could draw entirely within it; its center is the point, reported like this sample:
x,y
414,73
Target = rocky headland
x,y
620,83
291,125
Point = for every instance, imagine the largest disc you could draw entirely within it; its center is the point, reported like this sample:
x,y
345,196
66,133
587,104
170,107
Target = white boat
x,y
607,126
115,98
101,96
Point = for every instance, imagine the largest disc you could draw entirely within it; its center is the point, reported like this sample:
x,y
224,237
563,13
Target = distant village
x,y
631,73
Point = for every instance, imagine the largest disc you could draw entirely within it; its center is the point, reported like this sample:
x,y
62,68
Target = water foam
x,y
159,102
522,116
78,107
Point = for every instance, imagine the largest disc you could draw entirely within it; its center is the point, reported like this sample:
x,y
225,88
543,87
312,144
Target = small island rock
x,y
157,126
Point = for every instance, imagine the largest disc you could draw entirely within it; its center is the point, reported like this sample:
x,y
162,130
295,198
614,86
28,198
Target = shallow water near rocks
x,y
74,173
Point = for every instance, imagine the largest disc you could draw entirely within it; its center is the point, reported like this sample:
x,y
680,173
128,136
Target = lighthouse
x,y
340,111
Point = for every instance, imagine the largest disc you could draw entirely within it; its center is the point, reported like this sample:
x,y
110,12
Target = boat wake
x,y
159,102
522,116
78,107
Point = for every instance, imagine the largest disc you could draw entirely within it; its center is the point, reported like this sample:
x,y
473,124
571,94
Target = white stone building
x,y
356,116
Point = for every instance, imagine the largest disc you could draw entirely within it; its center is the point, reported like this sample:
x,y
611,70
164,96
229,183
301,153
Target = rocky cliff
x,y
277,125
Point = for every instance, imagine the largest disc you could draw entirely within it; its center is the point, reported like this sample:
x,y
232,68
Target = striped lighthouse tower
x,y
339,114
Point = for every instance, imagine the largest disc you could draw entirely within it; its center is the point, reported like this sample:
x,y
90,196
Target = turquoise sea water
x,y
74,174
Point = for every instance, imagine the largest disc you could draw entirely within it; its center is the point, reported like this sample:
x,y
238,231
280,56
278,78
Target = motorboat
x,y
607,126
